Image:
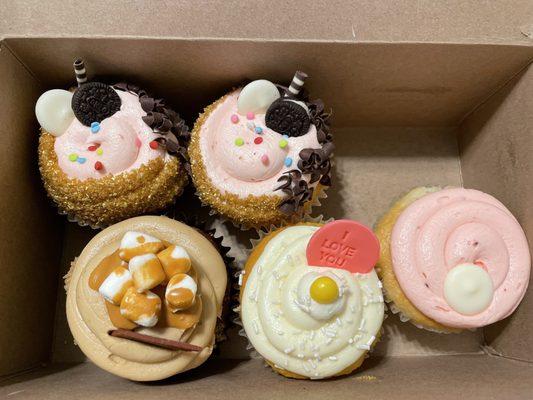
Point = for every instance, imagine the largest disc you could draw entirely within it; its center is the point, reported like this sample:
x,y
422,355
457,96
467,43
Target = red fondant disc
x,y
344,244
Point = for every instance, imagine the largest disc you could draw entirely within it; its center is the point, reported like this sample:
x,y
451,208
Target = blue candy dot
x,y
95,127
286,136
81,160
288,162
258,130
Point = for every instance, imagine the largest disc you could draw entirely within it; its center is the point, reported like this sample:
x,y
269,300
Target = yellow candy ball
x,y
324,290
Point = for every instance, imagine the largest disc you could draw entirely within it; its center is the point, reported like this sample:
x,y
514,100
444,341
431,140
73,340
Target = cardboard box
x,y
440,95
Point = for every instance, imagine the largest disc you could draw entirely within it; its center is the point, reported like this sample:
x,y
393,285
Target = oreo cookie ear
x,y
53,111
288,117
94,102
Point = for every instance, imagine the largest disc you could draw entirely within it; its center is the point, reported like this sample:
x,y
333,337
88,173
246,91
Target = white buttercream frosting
x,y
292,331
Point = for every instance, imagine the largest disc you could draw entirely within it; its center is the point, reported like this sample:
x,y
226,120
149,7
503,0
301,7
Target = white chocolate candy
x,y
468,289
54,111
137,243
181,292
147,271
114,287
141,308
257,96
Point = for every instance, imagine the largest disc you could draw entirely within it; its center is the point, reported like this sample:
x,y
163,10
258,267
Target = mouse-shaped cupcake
x,y
107,153
260,155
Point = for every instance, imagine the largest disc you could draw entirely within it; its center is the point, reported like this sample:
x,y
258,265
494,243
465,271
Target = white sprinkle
x,y
276,275
329,340
333,358
314,347
362,324
255,326
313,364
371,340
312,335
241,276
279,332
304,365
317,356
365,301
330,334
350,341
338,321
288,350
300,355
363,346
286,362
353,308
316,374
280,312
380,285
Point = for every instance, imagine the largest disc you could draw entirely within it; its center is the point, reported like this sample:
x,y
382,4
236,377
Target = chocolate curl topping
x,y
317,164
297,189
154,341
162,120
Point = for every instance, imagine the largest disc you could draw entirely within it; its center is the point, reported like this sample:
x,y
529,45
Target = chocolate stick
x,y
154,341
79,71
297,82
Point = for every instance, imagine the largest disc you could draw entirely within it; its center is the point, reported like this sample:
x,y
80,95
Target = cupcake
x,y
452,259
144,297
260,155
108,153
311,302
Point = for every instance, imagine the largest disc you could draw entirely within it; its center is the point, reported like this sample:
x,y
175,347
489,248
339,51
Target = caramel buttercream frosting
x,y
157,278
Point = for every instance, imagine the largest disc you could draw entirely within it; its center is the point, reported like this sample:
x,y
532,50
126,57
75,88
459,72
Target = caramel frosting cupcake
x,y
311,302
260,155
144,297
107,153
452,259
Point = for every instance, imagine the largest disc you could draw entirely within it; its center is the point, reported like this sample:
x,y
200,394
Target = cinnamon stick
x,y
154,341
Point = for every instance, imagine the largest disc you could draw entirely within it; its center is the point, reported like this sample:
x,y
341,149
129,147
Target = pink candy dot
x,y
234,118
264,159
250,115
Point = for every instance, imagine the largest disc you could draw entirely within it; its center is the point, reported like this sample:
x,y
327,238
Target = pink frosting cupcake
x,y
260,155
452,258
107,153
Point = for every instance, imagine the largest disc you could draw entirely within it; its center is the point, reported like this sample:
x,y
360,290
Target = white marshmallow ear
x,y
257,96
54,111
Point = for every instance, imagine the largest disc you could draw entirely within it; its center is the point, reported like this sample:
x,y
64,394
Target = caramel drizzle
x,y
154,341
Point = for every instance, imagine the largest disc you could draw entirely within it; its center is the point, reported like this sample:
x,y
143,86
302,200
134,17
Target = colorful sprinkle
x,y
264,159
283,143
288,162
73,157
234,118
285,136
95,127
258,130
250,115
239,141
81,160
94,147
99,152
98,165
258,140
154,145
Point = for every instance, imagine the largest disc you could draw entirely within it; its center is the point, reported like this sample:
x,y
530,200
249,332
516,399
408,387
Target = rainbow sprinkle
x,y
73,157
283,143
239,141
288,161
95,127
99,151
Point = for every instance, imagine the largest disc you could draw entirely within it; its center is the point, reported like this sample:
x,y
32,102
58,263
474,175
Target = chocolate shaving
x,y
175,134
154,341
313,162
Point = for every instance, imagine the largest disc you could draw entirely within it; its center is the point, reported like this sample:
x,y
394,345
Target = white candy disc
x,y
54,112
468,289
257,96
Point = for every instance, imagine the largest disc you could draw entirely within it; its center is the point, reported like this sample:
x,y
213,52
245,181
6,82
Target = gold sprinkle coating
x,y
250,212
112,198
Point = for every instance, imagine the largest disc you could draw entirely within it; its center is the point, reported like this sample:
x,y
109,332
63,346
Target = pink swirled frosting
x,y
123,139
454,226
249,168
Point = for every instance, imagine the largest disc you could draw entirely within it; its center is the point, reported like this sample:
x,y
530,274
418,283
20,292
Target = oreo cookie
x,y
94,102
288,118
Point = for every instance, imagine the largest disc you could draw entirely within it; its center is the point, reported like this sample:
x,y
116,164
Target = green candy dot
x,y
73,157
239,141
283,143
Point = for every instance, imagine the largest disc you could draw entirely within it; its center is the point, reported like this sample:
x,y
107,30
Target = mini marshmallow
x,y
114,287
137,243
175,260
146,271
181,292
141,308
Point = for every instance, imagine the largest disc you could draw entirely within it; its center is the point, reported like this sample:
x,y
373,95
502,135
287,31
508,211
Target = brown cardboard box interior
x,y
405,115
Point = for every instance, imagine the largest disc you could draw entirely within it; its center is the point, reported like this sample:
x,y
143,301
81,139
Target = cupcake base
x,y
393,292
101,202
